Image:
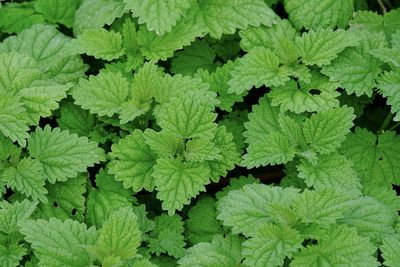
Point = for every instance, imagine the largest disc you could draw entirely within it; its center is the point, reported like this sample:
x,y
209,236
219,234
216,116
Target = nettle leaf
x,y
374,156
99,43
319,47
59,243
254,205
167,236
75,120
59,11
338,245
224,16
102,94
14,214
314,14
391,250
235,184
16,17
354,69
119,237
132,162
11,254
159,16
270,245
222,251
258,67
62,154
27,178
389,86
177,182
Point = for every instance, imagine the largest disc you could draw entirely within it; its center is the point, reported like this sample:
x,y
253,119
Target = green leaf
x,y
108,196
201,225
63,155
59,11
177,182
270,245
59,243
222,251
374,156
11,254
97,13
13,214
355,69
338,246
260,66
26,178
322,207
159,16
389,87
235,184
298,96
187,117
326,130
120,235
133,167
164,144
167,236
391,250
321,46
324,173
100,43
319,13
102,94
225,16
253,205
16,17
75,120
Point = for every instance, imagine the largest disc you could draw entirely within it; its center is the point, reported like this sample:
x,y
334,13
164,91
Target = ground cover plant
x,y
216,133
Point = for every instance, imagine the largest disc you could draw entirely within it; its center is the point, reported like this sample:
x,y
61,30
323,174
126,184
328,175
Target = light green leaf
x,y
389,87
133,167
270,245
120,235
159,16
258,67
177,182
326,130
163,144
58,11
319,13
99,43
235,184
391,250
222,251
59,243
75,120
102,94
11,254
13,214
320,47
27,178
167,236
201,149
63,155
225,16
16,17
248,208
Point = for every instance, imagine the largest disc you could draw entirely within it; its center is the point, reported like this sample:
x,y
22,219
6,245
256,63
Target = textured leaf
x,y
326,130
247,209
58,243
177,182
225,16
389,87
102,94
201,149
75,120
391,250
61,11
12,215
167,236
11,254
338,246
321,46
220,252
62,154
119,236
299,97
159,16
324,173
163,144
26,178
258,67
374,156
354,69
133,162
270,245
319,13
16,17
99,43
235,184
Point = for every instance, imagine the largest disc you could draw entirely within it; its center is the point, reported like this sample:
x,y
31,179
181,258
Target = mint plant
x,y
199,133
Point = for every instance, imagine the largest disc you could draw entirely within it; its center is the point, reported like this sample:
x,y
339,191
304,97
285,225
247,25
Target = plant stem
x,y
394,126
382,6
386,122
